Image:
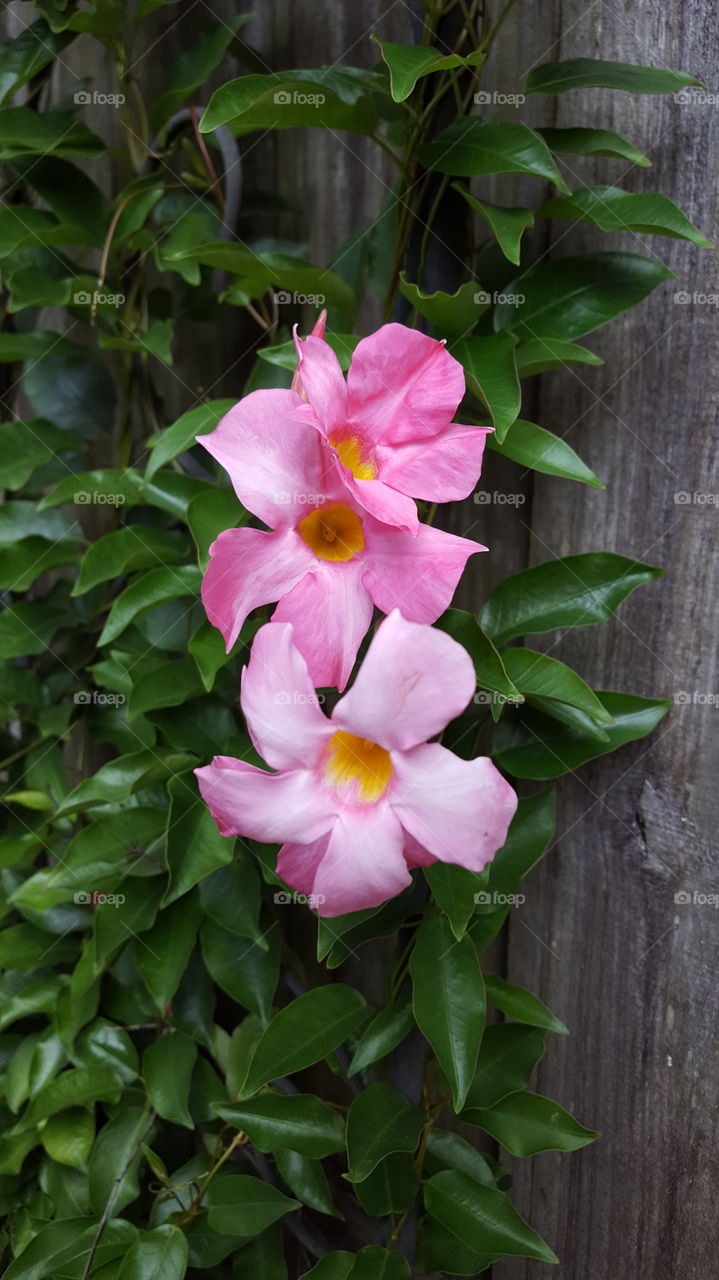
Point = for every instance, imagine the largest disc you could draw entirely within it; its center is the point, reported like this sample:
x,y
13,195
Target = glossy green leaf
x,y
195,847
240,1205
109,487
568,297
491,673
284,354
539,674
517,1003
26,54
592,142
65,1244
167,1066
439,1250
181,435
483,1219
453,888
538,354
380,1122
169,686
409,63
231,896
526,1123
283,101
449,1151
159,1254
150,589
74,1087
576,591
298,1122
306,1030
68,1136
26,445
24,131
276,270
533,447
391,1187
506,223
613,209
388,1029
449,313
193,67
28,627
448,1001
507,1058
491,370
117,1148
594,73
375,1263
248,971
73,389
134,546
333,1266
209,514
307,1181
472,146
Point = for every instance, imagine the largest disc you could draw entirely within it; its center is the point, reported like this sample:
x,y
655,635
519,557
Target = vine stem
x,y
114,1192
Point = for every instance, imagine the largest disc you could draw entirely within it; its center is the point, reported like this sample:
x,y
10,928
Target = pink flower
x,y
390,424
318,331
360,798
326,560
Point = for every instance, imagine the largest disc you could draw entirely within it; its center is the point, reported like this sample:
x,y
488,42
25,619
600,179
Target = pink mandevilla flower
x,y
360,797
326,560
389,426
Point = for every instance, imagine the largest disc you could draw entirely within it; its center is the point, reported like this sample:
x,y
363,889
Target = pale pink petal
x,y
415,853
417,575
444,469
276,462
402,386
248,568
412,682
272,807
323,384
359,864
284,717
330,612
459,810
382,501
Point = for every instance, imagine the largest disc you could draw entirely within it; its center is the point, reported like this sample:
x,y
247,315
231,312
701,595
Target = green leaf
x,y
150,589
22,564
68,1136
274,269
163,958
388,1029
24,131
24,446
74,1087
613,209
160,1254
284,354
333,1266
168,686
472,146
592,142
306,1180
448,1001
593,73
28,627
483,1219
517,1003
375,1263
283,101
231,896
181,435
74,390
526,1123
538,354
115,781
240,1205
491,370
575,591
453,888
538,674
306,1030
102,1043
248,971
167,1066
440,1251
569,297
193,67
134,546
508,1056
209,514
507,224
110,487
532,446
491,674
390,1188
24,56
537,747
409,63
448,1151
297,1122
380,1121
449,313
195,847
65,1244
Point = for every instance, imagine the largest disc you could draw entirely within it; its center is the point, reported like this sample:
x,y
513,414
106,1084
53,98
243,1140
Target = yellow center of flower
x,y
349,452
334,533
355,762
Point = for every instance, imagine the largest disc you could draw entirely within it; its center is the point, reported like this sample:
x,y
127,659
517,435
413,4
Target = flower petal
x,y
246,801
402,386
247,568
458,810
323,384
413,681
275,460
279,702
330,612
418,575
358,864
445,469
382,501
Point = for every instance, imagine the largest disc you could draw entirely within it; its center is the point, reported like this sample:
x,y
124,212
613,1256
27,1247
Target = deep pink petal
x,y
382,501
417,575
444,469
459,810
245,801
413,681
275,460
323,384
248,568
330,612
402,386
318,331
279,702
359,864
